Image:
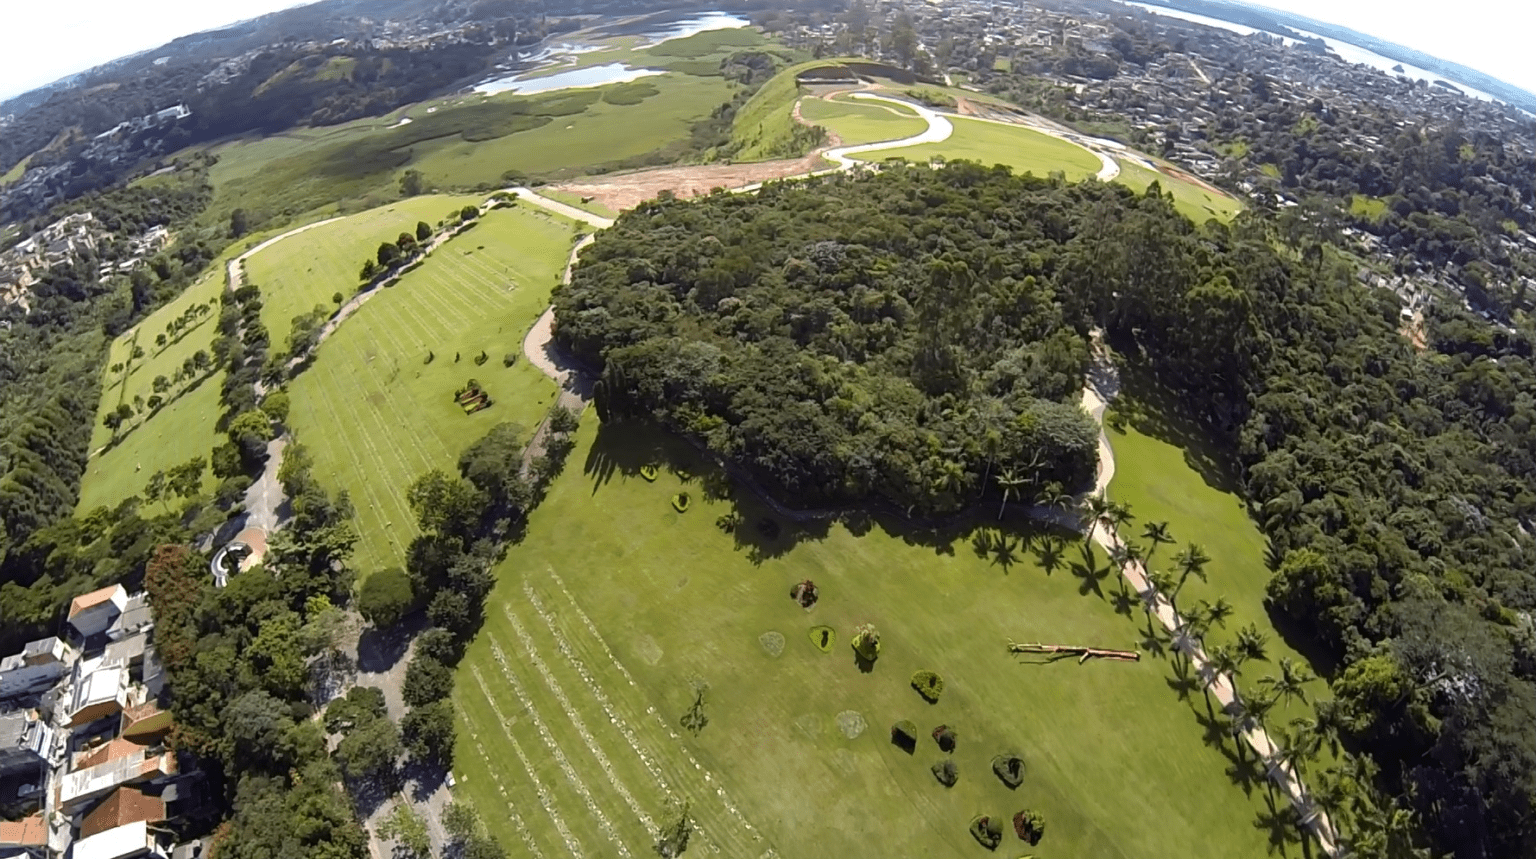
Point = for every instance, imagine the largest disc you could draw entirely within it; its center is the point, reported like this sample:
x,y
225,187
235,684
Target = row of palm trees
x,y
1367,824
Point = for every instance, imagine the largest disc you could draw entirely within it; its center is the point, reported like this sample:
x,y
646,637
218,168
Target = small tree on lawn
x,y
946,772
866,642
987,832
388,254
406,243
370,268
423,231
676,829
469,213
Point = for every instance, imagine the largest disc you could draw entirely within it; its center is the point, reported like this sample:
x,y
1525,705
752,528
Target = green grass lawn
x,y
302,271
180,431
1196,203
1166,471
989,143
856,122
575,200
1367,208
375,416
614,606
570,146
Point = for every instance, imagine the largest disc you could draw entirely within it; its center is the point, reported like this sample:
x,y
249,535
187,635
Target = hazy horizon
x,y
1487,35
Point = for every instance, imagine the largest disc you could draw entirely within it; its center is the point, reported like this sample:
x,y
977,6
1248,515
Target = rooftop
x,y
128,840
14,727
87,783
31,832
124,806
111,751
111,593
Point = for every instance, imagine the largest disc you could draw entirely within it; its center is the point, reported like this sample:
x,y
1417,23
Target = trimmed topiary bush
x,y
509,359
929,685
904,736
805,593
824,637
866,642
1009,769
946,737
946,772
987,832
1029,825
680,502
648,472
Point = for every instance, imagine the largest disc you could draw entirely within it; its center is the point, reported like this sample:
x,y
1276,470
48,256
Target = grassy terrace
x,y
1194,201
376,416
306,270
855,122
1022,149
615,607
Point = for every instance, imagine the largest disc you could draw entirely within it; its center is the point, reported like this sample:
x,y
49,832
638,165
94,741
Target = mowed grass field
x,y
1196,203
615,607
1167,473
375,416
307,269
1022,149
180,431
856,122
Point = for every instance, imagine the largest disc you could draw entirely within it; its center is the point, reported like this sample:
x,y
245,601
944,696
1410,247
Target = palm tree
x,y
1252,644
1307,743
1120,514
1330,725
1191,562
1216,613
1155,533
1291,683
1098,508
1009,481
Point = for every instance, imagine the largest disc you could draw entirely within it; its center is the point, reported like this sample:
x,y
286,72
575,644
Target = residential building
x,y
121,807
127,763
25,741
35,669
93,613
129,841
136,617
24,839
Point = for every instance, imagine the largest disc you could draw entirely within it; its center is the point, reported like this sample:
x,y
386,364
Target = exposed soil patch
x,y
621,191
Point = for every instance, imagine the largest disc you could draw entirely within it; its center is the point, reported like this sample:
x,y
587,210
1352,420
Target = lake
x,y
608,73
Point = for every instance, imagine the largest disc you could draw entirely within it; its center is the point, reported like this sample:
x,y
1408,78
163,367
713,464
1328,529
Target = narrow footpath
x,y
1102,387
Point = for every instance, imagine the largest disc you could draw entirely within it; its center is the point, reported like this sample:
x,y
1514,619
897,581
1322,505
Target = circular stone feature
x,y
852,723
772,642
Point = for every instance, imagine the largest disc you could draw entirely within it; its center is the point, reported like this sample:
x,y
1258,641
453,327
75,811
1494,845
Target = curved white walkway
x,y
939,129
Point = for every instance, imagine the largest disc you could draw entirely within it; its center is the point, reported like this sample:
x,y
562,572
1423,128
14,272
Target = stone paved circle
x,y
772,642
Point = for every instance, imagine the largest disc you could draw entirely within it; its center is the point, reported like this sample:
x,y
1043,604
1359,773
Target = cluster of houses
x,y
85,772
64,242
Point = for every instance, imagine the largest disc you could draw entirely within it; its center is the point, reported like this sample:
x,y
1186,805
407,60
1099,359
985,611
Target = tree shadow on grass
x,y
379,650
1157,411
1278,823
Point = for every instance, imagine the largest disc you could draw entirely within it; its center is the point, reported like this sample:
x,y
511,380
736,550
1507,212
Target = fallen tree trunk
x,y
1083,653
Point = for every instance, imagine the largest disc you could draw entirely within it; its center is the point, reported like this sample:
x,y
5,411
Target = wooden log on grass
x,y
1083,653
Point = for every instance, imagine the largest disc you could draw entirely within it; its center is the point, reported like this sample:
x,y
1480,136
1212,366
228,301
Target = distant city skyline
x,y
54,40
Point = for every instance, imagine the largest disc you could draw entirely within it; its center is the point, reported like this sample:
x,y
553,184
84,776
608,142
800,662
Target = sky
x,y
49,40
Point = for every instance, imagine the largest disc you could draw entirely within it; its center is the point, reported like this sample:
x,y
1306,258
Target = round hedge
x,y
680,502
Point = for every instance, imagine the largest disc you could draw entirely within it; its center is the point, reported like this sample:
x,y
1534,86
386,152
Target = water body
x,y
653,29
1343,50
608,73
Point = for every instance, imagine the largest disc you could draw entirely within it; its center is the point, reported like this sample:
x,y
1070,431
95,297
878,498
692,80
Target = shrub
x,y
509,359
946,737
987,832
866,642
805,593
680,502
728,522
649,472
1010,769
946,772
929,685
824,637
430,357
1029,825
904,736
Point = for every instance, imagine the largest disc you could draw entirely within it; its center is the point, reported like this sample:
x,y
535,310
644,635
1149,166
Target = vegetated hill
x,y
909,336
